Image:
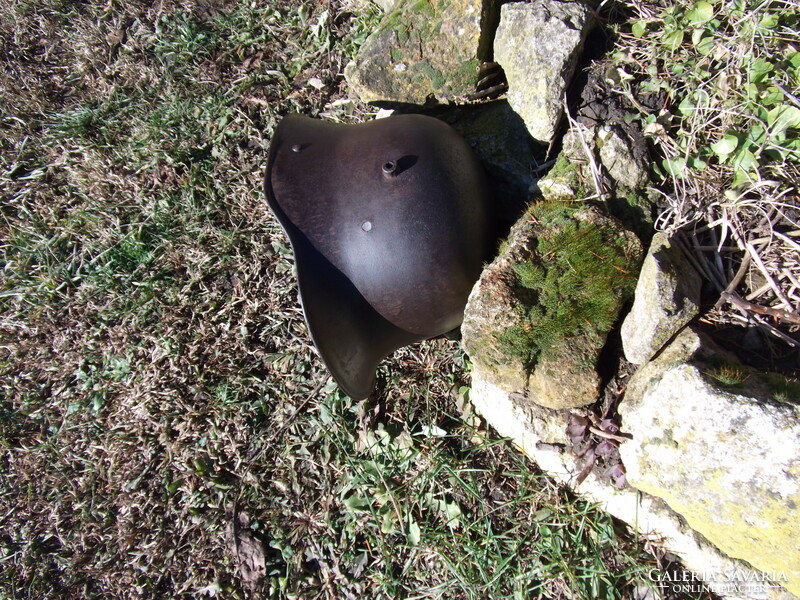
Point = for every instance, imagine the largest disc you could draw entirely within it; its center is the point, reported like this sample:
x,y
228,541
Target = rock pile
x,y
710,449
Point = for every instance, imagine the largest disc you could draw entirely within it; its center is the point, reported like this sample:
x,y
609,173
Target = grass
x,y
166,429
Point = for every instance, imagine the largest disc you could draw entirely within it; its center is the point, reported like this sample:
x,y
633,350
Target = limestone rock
x,y
667,297
564,181
492,308
567,376
556,189
386,5
422,49
538,45
539,316
540,433
726,458
617,156
579,144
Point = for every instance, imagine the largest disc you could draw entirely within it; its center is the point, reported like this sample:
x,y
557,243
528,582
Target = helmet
x,y
388,223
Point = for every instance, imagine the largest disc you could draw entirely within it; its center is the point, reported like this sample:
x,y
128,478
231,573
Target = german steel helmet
x,y
388,223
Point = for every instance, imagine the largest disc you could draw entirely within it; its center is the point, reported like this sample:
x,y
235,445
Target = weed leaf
x,y
726,146
700,13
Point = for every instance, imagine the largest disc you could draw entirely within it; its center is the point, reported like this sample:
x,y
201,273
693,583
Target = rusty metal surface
x,y
389,226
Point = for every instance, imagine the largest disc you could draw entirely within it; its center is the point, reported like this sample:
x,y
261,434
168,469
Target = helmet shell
x,y
388,222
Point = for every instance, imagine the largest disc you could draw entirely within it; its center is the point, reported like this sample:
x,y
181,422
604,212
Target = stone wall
x,y
698,452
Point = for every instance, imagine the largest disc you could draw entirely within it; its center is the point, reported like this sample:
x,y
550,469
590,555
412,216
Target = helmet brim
x,y
350,336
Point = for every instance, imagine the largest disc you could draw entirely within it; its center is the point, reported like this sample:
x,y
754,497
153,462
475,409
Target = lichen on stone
x,y
667,298
710,438
538,45
422,50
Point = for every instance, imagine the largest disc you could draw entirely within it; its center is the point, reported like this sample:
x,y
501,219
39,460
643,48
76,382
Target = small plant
x,y
734,109
730,375
593,439
783,388
726,75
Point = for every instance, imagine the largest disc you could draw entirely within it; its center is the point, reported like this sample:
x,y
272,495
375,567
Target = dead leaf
x,y
115,39
605,448
586,468
617,475
245,548
577,428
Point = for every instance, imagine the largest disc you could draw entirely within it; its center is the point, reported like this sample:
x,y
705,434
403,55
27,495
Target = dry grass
x,y
166,429
728,75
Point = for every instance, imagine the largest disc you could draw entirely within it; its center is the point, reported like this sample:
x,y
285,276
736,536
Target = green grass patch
x,y
156,376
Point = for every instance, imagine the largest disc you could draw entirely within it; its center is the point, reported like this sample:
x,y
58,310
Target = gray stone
x,y
566,181
667,297
725,456
506,150
540,433
422,50
556,370
386,5
611,151
557,189
492,308
616,154
579,144
538,45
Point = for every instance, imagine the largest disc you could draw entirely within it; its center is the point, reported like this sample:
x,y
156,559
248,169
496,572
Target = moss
x,y
405,15
403,35
729,375
568,172
467,73
667,439
561,167
424,7
393,20
425,69
573,285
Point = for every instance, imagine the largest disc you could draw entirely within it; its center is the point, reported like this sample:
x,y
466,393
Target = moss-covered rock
x,y
563,182
725,454
541,312
423,49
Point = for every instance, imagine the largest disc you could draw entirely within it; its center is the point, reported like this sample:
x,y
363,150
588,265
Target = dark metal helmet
x,y
388,222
